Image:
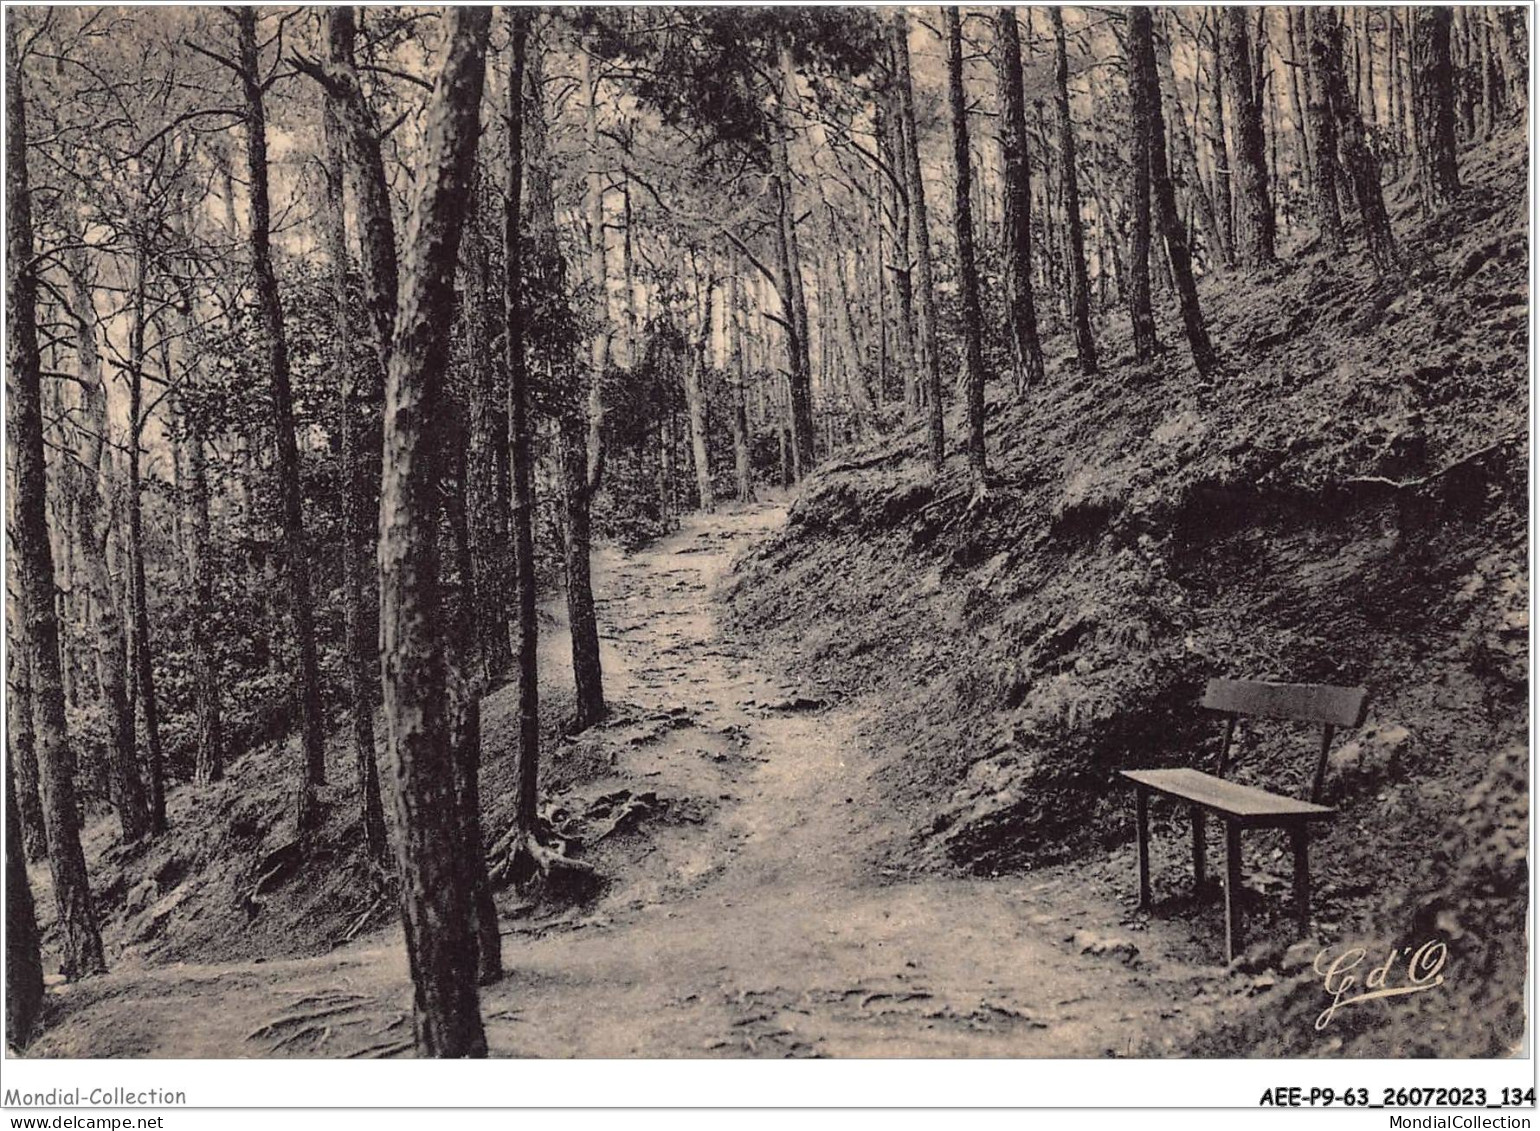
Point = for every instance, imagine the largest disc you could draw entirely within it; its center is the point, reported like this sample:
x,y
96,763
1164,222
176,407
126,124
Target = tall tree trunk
x,y
359,407
695,397
521,442
467,683
1147,77
21,745
1361,163
1255,230
1435,75
896,155
929,360
139,601
1185,171
92,518
742,468
23,950
1224,197
967,267
286,448
1079,283
1323,136
1142,121
793,295
1026,348
487,480
209,764
1298,66
436,907
598,278
572,451
80,940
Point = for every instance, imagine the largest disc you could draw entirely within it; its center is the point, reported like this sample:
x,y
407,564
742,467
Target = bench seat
x,y
1244,804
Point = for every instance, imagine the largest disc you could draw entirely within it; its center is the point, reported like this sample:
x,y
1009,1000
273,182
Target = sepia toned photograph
x,y
714,532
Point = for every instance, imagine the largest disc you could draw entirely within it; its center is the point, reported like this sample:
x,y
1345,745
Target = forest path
x,y
744,918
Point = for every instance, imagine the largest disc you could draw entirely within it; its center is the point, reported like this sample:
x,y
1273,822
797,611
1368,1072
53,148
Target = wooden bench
x,y
1243,806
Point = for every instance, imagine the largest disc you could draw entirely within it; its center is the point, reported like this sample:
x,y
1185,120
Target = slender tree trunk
x,y
1298,82
1224,200
208,763
1026,349
521,442
793,297
1323,136
1255,228
742,469
1142,121
967,267
23,951
896,155
598,278
1079,283
929,360
80,940
436,907
695,397
1147,79
286,448
139,601
1361,163
92,517
1185,171
360,396
572,450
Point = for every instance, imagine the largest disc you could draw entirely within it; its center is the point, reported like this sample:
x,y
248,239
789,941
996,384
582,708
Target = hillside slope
x,y
1346,504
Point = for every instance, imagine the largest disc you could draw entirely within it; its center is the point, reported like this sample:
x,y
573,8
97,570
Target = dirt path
x,y
747,920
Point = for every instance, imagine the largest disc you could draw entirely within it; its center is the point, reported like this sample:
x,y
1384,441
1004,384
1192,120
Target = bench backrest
x,y
1322,703
1304,702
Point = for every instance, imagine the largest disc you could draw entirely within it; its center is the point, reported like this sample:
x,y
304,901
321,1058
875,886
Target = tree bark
x,y
359,405
80,940
1142,60
1185,171
1079,283
1142,120
92,519
572,451
139,599
928,362
1440,172
967,266
436,907
1214,126
1323,136
1361,163
487,481
21,745
742,468
23,950
1255,229
286,448
695,398
1026,348
793,295
521,442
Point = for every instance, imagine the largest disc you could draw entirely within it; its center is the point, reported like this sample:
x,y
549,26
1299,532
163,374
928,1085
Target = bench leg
x,y
1142,815
1233,938
1299,836
1199,850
